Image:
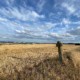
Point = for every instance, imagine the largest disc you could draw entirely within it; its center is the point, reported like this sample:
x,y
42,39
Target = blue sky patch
x,y
40,20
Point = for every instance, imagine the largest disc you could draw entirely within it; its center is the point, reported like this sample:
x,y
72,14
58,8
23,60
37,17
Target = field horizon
x,y
39,61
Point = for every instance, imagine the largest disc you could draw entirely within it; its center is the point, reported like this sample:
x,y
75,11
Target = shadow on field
x,y
49,69
78,49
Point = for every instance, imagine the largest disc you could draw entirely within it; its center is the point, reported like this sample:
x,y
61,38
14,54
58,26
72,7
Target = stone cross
x,y
59,45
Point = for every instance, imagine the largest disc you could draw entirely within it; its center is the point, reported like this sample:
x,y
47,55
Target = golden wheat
x,y
16,57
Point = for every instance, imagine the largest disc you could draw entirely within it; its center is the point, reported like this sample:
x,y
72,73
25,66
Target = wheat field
x,y
38,62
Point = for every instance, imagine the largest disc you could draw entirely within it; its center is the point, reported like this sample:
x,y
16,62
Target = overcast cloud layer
x,y
40,20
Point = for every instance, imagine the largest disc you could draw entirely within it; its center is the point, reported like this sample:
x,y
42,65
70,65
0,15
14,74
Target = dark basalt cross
x,y
59,45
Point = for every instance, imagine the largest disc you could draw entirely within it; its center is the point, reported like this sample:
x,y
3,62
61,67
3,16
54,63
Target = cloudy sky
x,y
40,20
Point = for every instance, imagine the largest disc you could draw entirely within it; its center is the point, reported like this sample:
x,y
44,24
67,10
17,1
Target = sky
x,y
40,20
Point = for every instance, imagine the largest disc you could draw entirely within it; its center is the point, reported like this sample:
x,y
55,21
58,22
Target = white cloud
x,y
27,15
3,19
67,35
41,30
75,31
62,36
9,25
30,34
54,35
72,7
77,13
18,31
35,15
4,37
40,5
9,2
22,14
65,21
69,8
78,27
47,25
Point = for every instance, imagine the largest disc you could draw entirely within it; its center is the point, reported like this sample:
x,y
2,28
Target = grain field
x,y
39,62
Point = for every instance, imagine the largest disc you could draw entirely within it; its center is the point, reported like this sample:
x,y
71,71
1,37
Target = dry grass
x,y
38,62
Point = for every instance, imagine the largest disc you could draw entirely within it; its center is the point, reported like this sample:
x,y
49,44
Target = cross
x,y
59,45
